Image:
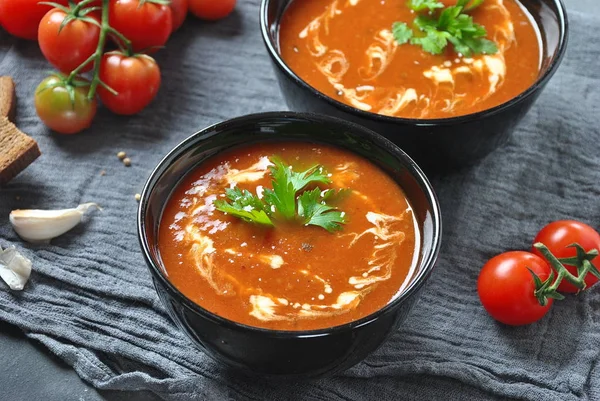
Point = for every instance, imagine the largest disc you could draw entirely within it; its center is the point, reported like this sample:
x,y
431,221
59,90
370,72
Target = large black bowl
x,y
303,353
435,144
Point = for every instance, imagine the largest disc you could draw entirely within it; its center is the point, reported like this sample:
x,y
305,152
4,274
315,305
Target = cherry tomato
x,y
210,9
61,112
558,235
22,17
506,288
136,80
68,46
145,24
179,9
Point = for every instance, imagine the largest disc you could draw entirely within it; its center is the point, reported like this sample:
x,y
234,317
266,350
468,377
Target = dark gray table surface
x,y
29,372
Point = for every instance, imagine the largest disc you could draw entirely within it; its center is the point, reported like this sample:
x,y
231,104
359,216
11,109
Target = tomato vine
x,y
583,263
519,287
96,57
125,81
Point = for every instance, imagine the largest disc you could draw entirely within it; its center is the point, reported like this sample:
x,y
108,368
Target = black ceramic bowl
x,y
300,353
435,144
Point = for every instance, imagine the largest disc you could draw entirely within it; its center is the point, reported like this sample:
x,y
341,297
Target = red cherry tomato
x,y
68,46
506,288
136,80
63,110
179,10
558,235
146,24
211,9
22,17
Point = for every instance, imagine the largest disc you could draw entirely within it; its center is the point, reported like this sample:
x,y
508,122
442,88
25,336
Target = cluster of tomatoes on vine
x,y
74,37
519,287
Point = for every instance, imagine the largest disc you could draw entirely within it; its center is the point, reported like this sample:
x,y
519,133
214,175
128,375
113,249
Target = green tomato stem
x,y
124,41
104,28
77,70
77,7
562,271
82,4
96,57
583,263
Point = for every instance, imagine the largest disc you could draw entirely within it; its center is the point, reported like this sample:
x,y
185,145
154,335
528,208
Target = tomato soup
x,y
290,276
346,49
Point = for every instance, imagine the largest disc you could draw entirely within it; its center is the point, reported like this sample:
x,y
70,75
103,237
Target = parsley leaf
x,y
452,25
314,211
286,183
482,46
300,180
447,18
470,5
421,5
434,42
243,198
244,205
423,23
402,33
336,196
282,197
310,207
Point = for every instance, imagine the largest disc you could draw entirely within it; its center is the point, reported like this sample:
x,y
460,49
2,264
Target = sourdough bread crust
x,y
17,150
8,99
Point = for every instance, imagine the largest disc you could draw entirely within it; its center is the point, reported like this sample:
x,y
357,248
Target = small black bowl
x,y
436,144
287,353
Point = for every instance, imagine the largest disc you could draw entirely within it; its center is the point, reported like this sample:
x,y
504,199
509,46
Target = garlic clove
x,y
15,268
42,225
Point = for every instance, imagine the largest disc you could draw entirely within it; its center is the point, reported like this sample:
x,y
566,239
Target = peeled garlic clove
x,y
43,225
14,268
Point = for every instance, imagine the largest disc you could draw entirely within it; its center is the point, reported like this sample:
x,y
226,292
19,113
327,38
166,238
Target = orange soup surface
x,y
291,276
346,49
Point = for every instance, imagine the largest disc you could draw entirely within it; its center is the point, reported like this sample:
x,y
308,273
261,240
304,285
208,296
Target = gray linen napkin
x,y
91,302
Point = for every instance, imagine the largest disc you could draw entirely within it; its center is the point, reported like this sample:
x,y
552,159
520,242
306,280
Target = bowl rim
x,y
563,23
389,147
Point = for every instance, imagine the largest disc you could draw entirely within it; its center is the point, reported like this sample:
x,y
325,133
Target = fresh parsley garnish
x,y
450,25
402,33
315,211
286,183
287,200
244,205
471,5
422,5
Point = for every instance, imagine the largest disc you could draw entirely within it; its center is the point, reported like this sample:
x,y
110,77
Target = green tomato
x,y
64,107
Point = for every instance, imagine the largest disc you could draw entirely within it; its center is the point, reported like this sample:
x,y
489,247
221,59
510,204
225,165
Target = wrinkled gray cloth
x,y
90,299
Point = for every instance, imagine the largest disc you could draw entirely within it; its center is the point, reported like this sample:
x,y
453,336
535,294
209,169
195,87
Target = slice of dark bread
x,y
8,99
17,150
